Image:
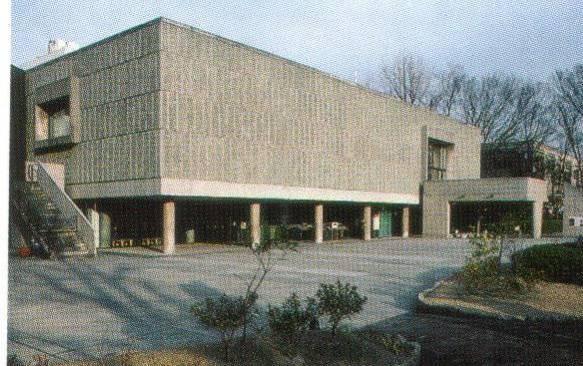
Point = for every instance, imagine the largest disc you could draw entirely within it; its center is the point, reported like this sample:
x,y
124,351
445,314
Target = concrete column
x,y
448,221
319,223
537,219
255,222
93,217
405,223
367,213
104,230
168,234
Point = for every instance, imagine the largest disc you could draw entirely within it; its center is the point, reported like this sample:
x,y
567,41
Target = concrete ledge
x,y
426,304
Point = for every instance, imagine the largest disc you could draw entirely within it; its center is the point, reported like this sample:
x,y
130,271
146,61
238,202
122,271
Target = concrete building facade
x,y
159,125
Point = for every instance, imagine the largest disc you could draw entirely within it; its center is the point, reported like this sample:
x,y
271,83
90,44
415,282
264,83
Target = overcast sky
x,y
528,38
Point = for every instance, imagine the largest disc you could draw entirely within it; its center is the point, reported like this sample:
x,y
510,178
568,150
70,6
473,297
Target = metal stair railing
x,y
31,234
71,214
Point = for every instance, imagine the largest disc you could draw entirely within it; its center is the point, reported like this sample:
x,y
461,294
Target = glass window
x,y
437,161
59,123
53,119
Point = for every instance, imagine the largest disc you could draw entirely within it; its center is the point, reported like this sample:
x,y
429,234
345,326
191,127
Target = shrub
x,y
578,243
13,360
339,301
550,262
397,344
483,265
483,272
291,320
552,226
225,314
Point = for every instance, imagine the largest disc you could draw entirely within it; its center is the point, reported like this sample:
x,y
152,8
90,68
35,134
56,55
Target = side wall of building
x,y
17,148
235,114
113,88
573,209
17,123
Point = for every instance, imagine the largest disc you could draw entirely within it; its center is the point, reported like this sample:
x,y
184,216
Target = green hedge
x,y
552,226
550,262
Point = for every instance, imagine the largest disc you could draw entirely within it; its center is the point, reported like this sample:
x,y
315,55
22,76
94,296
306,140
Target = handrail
x,y
71,213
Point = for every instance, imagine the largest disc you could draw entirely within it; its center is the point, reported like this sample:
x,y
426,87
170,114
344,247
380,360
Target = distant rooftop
x,y
56,48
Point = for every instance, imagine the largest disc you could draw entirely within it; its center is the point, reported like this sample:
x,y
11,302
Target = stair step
x,y
45,219
59,232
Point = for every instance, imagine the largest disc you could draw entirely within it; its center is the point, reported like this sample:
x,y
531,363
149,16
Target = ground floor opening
x,y
511,218
152,222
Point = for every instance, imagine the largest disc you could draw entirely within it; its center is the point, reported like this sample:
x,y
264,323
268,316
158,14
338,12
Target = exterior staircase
x,y
50,221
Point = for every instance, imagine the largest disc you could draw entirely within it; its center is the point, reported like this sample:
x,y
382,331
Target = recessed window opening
x,y
53,119
437,160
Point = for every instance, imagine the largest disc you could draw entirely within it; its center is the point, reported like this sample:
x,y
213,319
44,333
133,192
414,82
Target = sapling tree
x,y
264,253
339,301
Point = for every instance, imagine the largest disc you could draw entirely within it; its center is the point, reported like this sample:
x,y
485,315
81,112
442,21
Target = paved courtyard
x,y
121,300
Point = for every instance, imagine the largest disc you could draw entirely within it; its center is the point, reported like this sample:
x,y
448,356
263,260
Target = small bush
x,y
13,360
482,266
550,262
396,344
339,301
578,243
291,320
225,314
478,276
484,274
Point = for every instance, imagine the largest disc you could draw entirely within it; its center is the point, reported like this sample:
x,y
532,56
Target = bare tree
x,y
531,110
446,96
568,87
408,79
486,103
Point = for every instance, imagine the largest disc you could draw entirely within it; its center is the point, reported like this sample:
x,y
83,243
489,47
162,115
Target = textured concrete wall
x,y
114,95
167,101
573,207
235,114
17,123
437,196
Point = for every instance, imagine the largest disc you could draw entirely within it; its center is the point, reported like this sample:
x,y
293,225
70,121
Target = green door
x,y
386,222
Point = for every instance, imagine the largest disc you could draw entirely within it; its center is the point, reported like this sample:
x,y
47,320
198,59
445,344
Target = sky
x,y
348,38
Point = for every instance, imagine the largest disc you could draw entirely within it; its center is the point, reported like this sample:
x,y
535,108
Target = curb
x,y
426,304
